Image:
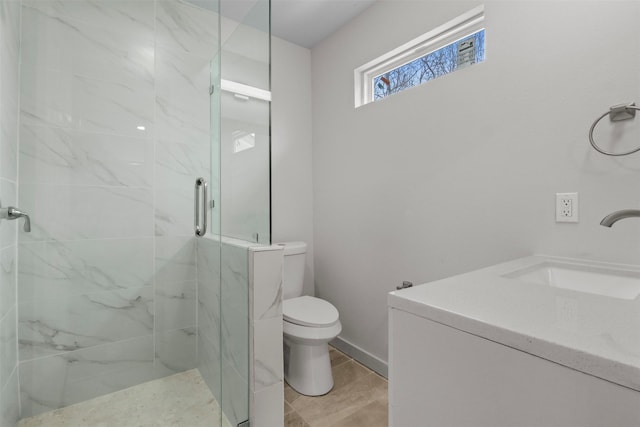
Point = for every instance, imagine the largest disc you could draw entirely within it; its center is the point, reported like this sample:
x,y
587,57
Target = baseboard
x,y
367,359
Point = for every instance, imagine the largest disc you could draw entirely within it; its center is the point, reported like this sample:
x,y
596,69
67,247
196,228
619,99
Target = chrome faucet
x,y
616,216
12,213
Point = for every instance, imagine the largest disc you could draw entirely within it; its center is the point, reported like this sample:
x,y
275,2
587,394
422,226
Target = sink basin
x,y
582,278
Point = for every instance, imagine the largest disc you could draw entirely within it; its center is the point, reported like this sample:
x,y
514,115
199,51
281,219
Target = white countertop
x,y
594,334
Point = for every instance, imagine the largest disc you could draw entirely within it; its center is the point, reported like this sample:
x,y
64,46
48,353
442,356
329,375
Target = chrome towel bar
x,y
616,113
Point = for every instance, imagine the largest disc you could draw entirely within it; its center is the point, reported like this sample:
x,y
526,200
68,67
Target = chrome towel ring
x,y
616,113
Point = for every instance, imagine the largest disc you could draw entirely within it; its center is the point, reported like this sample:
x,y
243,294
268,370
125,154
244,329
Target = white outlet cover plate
x,y
566,207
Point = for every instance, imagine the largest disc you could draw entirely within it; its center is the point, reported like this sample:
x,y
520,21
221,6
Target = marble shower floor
x,y
359,399
181,400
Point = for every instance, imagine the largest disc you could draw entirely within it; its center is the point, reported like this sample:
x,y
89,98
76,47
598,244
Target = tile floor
x,y
182,400
359,398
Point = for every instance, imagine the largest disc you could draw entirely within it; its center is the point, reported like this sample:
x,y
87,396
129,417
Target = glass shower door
x,y
115,127
243,212
123,105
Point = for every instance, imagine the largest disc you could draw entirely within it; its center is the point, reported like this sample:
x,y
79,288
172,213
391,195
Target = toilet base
x,y
307,368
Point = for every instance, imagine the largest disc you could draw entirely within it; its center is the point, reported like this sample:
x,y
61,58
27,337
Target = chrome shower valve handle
x,y
12,213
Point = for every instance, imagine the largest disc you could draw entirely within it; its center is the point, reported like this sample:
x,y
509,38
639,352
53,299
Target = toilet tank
x,y
293,270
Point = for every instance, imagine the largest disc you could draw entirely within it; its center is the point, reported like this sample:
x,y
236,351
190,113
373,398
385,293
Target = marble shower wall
x,y
9,105
114,129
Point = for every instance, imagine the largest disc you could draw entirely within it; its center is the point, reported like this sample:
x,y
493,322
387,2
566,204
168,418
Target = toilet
x,y
309,324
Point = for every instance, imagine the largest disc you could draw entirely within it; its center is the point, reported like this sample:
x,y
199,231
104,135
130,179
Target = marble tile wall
x,y
9,105
114,128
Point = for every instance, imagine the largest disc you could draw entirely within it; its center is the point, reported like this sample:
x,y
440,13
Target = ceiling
x,y
303,22
306,22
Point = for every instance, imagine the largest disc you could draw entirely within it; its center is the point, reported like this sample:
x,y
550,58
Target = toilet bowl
x,y
309,323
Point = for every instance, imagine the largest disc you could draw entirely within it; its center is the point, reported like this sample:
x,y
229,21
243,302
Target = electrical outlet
x,y
566,207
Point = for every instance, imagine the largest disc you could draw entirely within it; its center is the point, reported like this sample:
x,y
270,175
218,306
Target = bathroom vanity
x,y
539,341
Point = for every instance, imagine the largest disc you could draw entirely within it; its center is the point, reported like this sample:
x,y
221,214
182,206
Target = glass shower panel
x,y
245,132
245,154
244,184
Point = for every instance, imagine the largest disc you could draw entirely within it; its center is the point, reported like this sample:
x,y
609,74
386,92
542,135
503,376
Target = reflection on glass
x,y
243,140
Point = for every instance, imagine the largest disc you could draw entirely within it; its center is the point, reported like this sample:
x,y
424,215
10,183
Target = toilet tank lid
x,y
294,248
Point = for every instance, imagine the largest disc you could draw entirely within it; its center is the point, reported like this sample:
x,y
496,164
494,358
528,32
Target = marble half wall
x,y
266,366
240,328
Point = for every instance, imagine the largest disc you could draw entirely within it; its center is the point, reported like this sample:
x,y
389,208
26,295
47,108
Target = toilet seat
x,y
308,335
310,312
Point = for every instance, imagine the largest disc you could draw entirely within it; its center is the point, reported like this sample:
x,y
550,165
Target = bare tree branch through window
x,y
445,60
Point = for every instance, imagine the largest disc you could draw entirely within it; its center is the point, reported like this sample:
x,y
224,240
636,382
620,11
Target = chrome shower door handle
x,y
12,213
201,204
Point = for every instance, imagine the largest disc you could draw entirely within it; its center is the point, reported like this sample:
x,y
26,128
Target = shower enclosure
x,y
112,113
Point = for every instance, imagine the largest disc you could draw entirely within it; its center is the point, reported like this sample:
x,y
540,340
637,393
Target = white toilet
x,y
309,324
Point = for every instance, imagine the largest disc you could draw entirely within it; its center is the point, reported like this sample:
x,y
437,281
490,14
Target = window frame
x,y
456,29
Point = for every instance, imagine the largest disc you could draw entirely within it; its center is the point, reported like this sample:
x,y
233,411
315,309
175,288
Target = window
x,y
455,45
445,60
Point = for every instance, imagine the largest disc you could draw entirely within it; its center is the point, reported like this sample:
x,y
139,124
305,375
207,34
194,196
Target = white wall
x,y
291,176
462,172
